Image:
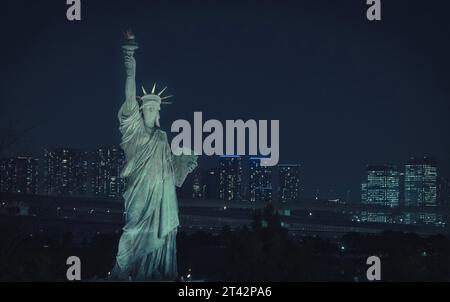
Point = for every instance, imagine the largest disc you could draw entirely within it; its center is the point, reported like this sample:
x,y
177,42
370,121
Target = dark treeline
x,y
265,252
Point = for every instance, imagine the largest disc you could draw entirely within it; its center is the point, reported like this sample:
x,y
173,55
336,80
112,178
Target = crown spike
x,y
143,90
166,97
154,88
161,92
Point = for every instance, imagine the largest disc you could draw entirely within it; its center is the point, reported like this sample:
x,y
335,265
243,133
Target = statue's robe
x,y
147,248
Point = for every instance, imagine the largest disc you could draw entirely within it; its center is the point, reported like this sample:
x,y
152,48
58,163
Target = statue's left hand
x,y
192,165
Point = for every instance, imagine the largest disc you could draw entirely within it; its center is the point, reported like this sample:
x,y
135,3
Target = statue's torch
x,y
130,45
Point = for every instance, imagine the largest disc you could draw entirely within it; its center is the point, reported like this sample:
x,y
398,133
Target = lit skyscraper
x,y
107,164
288,182
198,188
66,172
260,181
230,177
19,175
421,182
364,191
381,186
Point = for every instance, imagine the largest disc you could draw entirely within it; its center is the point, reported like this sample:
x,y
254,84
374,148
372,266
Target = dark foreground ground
x,y
263,251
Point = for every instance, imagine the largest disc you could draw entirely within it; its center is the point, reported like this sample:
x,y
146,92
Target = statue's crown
x,y
154,97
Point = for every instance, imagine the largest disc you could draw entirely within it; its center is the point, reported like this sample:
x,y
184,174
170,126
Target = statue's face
x,y
150,114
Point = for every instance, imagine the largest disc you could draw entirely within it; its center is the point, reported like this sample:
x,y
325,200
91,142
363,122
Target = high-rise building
x,y
230,177
211,183
66,172
198,187
421,182
444,191
381,186
19,175
364,191
288,182
260,181
107,164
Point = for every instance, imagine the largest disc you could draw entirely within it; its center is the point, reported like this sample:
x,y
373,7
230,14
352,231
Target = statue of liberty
x,y
147,247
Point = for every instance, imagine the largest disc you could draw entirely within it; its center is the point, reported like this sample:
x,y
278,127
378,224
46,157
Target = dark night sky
x,y
347,92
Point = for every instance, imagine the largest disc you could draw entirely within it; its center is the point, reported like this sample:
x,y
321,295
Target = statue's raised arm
x,y
129,47
130,82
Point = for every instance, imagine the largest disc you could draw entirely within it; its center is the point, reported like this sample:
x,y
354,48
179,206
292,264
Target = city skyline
x,y
97,173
